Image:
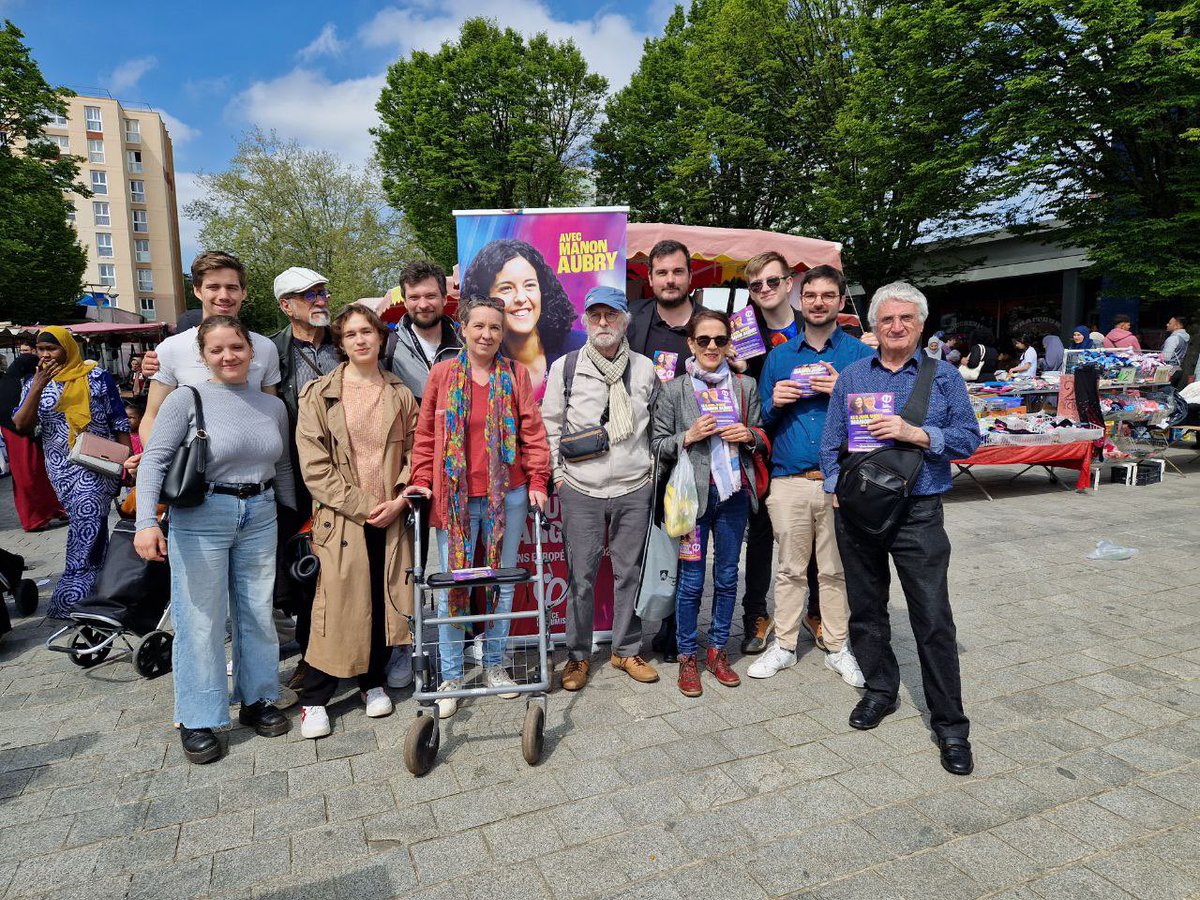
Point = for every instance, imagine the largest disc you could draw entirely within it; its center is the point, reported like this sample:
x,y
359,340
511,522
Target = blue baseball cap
x,y
606,296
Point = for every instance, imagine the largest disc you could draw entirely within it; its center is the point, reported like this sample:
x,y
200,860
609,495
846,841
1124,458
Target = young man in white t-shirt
x,y
219,283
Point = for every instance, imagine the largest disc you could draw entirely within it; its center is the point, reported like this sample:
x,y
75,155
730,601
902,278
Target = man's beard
x,y
319,318
425,319
674,301
606,340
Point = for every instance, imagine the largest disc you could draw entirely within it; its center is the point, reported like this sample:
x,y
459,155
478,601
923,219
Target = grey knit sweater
x,y
247,442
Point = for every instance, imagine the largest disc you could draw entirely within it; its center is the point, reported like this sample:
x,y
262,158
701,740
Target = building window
x,y
137,191
134,160
71,211
133,131
95,150
145,280
147,307
101,213
99,182
104,244
92,116
63,142
57,121
108,274
141,221
141,250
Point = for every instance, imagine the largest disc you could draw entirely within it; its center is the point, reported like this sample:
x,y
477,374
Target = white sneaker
x,y
314,722
844,663
229,668
497,676
773,661
448,706
379,704
400,671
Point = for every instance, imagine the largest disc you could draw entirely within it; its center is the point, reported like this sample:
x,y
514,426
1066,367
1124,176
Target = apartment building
x,y
130,224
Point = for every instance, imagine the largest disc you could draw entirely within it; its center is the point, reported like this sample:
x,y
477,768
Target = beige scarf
x,y
620,404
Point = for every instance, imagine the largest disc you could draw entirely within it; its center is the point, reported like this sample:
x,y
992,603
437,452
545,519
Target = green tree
x,y
849,120
487,121
280,204
41,261
1102,103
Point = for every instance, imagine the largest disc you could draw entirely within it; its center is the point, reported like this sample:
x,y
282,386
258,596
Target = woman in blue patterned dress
x,y
68,395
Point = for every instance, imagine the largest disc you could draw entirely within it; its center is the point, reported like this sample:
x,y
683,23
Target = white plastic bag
x,y
681,502
1109,550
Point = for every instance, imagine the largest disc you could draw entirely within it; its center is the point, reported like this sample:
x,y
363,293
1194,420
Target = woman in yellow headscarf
x,y
67,396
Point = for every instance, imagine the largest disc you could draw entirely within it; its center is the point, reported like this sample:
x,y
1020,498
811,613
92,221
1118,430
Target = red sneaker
x,y
689,677
718,664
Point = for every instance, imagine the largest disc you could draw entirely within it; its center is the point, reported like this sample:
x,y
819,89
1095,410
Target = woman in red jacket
x,y
481,455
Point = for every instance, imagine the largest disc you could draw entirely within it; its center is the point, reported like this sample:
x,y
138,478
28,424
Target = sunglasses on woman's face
x,y
705,339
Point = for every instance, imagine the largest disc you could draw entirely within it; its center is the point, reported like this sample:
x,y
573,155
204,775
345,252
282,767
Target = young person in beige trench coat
x,y
355,435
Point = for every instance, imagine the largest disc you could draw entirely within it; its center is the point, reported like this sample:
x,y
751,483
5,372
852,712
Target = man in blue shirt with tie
x,y
794,408
918,545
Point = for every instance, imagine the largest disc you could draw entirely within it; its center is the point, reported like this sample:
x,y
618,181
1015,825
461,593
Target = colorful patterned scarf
x,y
500,437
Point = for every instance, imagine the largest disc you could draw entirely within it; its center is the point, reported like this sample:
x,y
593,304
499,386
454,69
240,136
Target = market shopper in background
x,y
661,327
1175,347
1081,338
33,496
1027,367
609,496
801,511
918,546
1122,336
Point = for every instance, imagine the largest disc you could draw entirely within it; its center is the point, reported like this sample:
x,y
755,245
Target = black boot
x,y
264,718
664,641
200,745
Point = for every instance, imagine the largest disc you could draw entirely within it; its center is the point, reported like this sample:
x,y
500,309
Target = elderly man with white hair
x,y
916,541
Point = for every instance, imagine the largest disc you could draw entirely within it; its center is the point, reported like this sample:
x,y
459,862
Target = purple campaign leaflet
x,y
803,374
718,403
747,339
664,364
862,408
472,574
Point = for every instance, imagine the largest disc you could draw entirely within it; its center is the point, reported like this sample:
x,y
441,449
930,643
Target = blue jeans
x,y
222,556
450,637
726,522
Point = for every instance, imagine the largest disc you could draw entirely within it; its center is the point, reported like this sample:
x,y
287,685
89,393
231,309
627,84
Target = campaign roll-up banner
x,y
542,263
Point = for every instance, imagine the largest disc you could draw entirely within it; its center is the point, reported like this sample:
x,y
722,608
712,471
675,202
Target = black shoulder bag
x,y
185,483
590,442
874,488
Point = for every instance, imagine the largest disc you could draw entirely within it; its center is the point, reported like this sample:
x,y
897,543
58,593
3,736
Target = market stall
x,y
1075,455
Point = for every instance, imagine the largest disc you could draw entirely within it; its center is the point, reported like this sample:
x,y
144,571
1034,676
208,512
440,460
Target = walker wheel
x,y
84,638
533,734
421,744
26,599
153,655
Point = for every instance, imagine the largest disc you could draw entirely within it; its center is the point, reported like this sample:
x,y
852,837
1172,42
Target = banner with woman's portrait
x,y
542,263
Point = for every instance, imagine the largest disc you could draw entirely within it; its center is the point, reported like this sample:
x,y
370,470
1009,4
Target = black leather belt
x,y
242,491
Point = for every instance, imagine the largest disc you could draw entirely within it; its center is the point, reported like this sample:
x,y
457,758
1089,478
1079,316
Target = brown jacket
x,y
341,618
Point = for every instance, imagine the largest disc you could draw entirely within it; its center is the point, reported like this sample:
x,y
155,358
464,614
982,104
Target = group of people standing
x,y
345,422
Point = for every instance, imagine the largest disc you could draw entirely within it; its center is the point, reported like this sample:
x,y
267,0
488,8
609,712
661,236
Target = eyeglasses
x,y
757,287
310,296
828,297
596,316
704,340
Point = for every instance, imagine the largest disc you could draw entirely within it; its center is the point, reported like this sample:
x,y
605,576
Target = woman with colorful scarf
x,y
67,396
481,456
722,457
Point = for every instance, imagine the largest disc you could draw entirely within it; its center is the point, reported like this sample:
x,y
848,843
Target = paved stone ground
x,y
1082,680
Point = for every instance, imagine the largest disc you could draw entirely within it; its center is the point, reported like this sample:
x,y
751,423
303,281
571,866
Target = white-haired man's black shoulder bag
x,y
874,488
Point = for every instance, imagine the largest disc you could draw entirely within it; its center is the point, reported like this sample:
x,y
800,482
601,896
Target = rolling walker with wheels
x,y
423,738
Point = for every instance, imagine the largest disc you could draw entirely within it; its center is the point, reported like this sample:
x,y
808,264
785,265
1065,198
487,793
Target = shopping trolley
x,y
423,737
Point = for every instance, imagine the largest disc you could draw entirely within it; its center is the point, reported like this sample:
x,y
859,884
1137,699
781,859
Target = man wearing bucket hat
x,y
605,492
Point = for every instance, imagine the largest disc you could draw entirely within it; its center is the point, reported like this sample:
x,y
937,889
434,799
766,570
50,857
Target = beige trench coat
x,y
340,643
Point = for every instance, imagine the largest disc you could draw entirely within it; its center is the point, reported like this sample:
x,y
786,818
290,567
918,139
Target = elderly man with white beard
x,y
605,495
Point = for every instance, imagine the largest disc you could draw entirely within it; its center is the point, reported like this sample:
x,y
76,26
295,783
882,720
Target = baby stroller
x,y
14,584
130,603
423,738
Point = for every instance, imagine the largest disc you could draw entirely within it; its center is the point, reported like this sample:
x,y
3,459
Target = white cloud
x,y
610,42
325,44
187,189
126,76
180,132
330,115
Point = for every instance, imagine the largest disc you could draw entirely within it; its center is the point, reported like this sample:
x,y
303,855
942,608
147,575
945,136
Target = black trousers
x,y
921,551
319,687
760,555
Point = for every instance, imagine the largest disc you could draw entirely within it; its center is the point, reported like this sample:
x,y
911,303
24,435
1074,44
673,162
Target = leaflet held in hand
x,y
803,375
863,409
664,364
746,338
718,403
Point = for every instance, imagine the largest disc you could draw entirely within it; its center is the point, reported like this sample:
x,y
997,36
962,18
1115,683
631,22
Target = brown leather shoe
x,y
635,667
296,681
813,626
756,640
689,677
575,674
718,664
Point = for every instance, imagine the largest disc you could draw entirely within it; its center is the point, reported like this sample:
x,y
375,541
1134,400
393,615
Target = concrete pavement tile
x,y
138,852
209,836
182,807
523,837
701,832
1079,883
652,802
715,879
1178,847
812,761
1138,805
760,774
989,860
1047,845
41,874
347,743
1144,875
929,875
100,824
1107,722
252,792
599,777
1094,824
319,778
959,813
862,886
282,819
446,857
787,865
359,801
1100,767
35,838
183,880
1181,787
275,756
846,847
404,825
253,864
1058,783
879,785
647,764
1146,754
585,820
331,844
902,829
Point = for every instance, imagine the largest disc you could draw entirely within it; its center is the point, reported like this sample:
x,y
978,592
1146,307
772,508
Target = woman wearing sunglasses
x,y
721,456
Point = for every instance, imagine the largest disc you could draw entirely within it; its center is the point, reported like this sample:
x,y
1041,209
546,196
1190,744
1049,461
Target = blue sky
x,y
309,71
